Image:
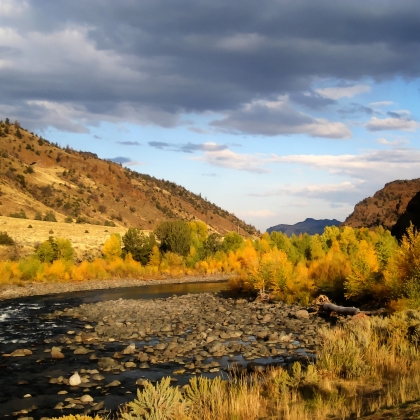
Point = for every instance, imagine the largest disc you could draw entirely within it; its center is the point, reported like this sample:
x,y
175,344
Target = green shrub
x,y
38,215
109,223
5,239
174,236
55,249
49,217
19,215
138,245
68,219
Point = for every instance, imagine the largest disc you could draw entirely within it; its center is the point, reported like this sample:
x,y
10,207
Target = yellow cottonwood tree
x,y
112,247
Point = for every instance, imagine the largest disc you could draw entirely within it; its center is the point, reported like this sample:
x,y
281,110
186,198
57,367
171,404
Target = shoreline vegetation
x,y
362,363
350,266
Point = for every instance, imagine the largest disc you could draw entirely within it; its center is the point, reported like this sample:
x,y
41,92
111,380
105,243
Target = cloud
x,y
356,108
345,192
272,118
382,103
129,143
396,142
231,160
211,174
125,161
395,122
343,91
312,100
372,168
152,62
257,213
198,130
97,137
188,147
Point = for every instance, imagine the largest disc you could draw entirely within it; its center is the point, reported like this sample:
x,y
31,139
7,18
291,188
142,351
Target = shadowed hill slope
x,y
411,215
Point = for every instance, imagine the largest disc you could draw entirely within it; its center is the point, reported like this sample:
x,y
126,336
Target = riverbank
x,y
115,345
26,289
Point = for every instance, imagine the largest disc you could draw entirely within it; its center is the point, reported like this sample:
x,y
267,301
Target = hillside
x,y
309,226
37,177
385,207
411,215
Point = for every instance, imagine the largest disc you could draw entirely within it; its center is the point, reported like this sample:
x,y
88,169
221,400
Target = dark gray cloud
x,y
129,143
278,117
149,62
311,100
121,159
356,109
188,147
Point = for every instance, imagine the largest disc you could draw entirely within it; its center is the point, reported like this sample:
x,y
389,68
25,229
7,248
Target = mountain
x,y
39,177
309,226
385,207
411,215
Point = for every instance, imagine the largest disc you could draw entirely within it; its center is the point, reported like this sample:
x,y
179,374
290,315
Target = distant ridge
x,y
309,226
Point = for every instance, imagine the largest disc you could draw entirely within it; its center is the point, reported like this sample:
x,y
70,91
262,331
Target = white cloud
x,y
343,92
231,160
344,192
396,142
404,124
12,7
382,103
374,168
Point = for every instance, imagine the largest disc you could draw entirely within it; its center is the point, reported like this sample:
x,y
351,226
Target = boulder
x,y
75,380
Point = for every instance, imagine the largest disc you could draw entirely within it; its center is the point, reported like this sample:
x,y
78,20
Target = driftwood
x,y
325,305
342,310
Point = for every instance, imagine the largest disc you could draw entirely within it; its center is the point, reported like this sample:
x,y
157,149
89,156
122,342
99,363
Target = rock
x,y
130,365
256,367
141,381
144,365
56,353
98,406
86,398
27,396
107,362
75,380
113,383
130,349
81,350
302,314
21,353
98,377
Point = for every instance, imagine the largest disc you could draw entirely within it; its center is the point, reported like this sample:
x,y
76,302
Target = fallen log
x,y
324,305
341,310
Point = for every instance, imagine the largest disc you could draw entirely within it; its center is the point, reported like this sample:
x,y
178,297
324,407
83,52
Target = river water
x,y
22,325
21,319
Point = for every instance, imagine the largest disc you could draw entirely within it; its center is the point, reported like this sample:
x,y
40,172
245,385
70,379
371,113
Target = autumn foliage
x,y
344,263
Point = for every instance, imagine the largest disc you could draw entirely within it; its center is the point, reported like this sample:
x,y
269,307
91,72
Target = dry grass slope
x,y
38,176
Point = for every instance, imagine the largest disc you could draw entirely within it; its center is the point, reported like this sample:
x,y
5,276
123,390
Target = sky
x,y
275,110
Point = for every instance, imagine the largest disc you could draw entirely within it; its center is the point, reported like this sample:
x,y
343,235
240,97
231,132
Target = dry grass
x,y
84,244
